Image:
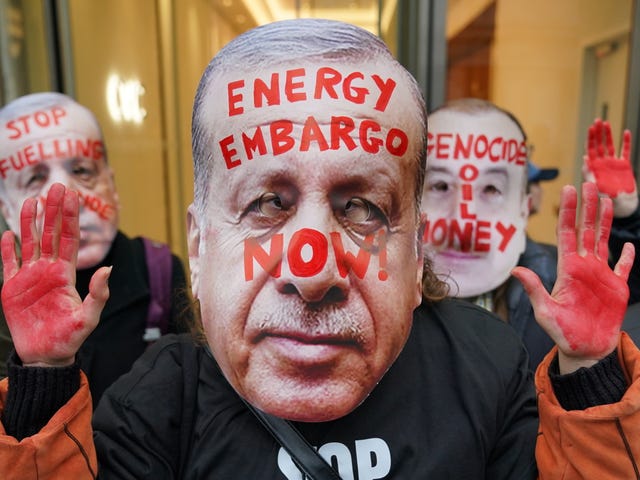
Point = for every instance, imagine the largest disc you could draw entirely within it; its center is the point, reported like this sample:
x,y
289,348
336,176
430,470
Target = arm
x,y
614,177
45,402
623,230
583,315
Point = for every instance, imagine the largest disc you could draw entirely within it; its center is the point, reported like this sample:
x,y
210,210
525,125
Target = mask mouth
x,y
90,228
460,255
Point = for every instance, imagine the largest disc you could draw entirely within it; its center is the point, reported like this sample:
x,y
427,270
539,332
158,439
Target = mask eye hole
x,y
357,210
270,205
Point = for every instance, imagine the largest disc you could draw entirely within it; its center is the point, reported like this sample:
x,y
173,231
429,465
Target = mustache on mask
x,y
330,321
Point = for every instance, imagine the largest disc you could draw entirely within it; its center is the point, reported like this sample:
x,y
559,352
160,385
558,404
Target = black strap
x,y
306,458
303,455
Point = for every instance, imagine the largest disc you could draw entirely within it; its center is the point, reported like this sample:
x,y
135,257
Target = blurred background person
x,y
477,206
46,138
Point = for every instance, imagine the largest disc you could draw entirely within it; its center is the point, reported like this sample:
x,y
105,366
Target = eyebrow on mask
x,y
441,169
502,171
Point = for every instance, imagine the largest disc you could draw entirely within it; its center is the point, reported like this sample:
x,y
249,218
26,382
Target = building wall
x,y
165,45
120,38
538,69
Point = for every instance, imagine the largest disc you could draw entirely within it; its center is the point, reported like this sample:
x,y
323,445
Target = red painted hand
x,y
47,318
584,312
613,175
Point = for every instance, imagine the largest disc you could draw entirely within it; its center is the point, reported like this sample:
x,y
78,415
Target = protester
x,y
346,326
47,138
615,178
535,175
475,198
589,384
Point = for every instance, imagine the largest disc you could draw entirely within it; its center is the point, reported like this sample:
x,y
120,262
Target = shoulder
x,y
473,331
171,361
462,318
149,412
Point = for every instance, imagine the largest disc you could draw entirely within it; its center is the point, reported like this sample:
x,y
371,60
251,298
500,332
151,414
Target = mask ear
x,y
193,247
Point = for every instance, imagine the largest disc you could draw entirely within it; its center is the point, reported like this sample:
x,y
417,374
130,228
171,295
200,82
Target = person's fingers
x,y
604,227
599,138
9,257
608,140
532,284
70,228
29,241
566,227
592,150
625,262
52,221
587,174
97,297
587,223
625,154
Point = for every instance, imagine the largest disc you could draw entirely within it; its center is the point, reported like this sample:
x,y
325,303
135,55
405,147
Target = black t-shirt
x,y
458,403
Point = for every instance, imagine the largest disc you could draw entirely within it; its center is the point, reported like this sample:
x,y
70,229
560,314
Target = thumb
x,y
533,286
98,295
625,262
538,296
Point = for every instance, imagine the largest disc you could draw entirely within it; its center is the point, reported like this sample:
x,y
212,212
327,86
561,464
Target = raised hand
x,y
613,175
47,318
584,312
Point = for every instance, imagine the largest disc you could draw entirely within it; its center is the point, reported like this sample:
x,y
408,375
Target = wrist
x,y
625,204
58,363
567,364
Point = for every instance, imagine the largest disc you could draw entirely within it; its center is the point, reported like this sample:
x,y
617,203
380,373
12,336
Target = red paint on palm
x,y
613,175
589,298
585,309
43,311
47,318
588,307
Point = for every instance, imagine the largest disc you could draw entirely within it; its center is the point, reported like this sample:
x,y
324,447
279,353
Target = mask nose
x,y
310,269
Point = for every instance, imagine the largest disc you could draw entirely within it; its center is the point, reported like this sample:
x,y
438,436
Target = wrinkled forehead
x,y
325,90
486,139
45,120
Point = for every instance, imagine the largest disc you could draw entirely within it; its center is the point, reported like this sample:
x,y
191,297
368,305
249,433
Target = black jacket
x,y
623,230
631,323
117,341
458,403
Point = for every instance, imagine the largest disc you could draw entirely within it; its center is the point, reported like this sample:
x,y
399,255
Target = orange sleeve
x,y
600,442
62,449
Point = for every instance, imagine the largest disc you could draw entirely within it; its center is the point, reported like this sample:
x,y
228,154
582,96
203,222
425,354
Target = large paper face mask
x,y
306,258
474,198
51,141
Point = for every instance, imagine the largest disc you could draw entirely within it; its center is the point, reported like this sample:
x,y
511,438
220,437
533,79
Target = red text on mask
x,y
453,146
343,132
50,149
307,255
24,124
294,86
466,236
104,210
